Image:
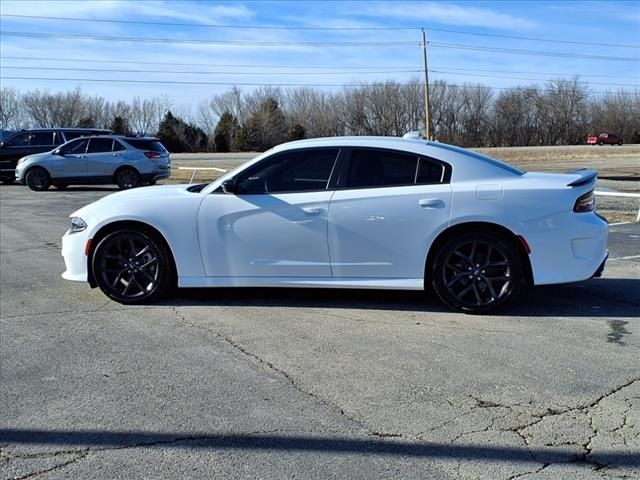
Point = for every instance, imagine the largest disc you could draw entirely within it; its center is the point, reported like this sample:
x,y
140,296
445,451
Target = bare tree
x,y
11,109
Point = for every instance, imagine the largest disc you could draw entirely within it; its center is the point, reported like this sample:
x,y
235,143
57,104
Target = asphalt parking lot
x,y
308,384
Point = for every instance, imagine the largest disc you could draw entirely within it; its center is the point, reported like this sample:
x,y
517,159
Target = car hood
x,y
36,157
134,200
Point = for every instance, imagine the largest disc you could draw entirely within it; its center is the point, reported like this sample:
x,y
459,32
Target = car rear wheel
x,y
38,179
132,266
478,273
128,178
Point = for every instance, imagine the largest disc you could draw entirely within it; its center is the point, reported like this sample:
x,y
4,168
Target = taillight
x,y
152,154
585,203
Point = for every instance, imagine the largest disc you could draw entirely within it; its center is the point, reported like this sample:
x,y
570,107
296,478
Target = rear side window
x,y
380,168
298,171
148,145
41,139
100,145
72,135
117,146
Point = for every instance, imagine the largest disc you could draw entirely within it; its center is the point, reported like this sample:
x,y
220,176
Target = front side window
x,y
100,145
298,171
21,140
76,147
41,139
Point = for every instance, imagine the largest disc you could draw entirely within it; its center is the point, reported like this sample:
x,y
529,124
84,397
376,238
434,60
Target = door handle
x,y
116,154
431,203
312,211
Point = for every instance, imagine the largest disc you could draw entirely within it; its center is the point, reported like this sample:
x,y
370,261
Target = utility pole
x,y
427,118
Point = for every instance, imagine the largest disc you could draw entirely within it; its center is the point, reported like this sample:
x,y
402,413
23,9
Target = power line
x,y
258,84
529,78
178,64
460,46
117,70
336,67
205,25
206,42
565,74
280,27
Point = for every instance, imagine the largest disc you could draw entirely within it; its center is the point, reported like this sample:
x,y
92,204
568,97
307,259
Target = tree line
x,y
561,112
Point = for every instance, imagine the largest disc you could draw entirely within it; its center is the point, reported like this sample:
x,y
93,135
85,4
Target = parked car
x,y
126,161
605,139
28,142
347,212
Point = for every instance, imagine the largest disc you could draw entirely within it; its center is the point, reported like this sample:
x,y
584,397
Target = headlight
x,y
77,225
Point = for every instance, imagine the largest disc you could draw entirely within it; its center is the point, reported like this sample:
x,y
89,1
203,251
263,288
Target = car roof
x,y
441,151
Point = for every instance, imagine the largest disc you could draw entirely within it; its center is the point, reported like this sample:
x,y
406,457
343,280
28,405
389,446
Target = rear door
x,y
40,142
385,213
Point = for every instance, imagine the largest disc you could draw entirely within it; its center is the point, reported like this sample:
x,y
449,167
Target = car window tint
x,y
58,139
429,172
117,146
41,139
21,140
379,168
72,135
299,171
150,145
100,145
76,147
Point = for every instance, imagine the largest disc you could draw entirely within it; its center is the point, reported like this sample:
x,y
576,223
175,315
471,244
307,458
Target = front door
x,y
275,224
71,163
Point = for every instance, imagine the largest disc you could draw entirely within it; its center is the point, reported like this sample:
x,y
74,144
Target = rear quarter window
x,y
148,145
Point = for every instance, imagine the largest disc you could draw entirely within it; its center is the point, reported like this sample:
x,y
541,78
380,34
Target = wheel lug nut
x,y
470,277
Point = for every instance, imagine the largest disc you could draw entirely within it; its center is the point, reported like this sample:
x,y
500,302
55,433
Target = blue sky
x,y
602,22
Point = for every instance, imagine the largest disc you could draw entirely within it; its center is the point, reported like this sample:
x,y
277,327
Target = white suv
x,y
125,161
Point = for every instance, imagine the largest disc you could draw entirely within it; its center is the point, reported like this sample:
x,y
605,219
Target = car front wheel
x,y
478,273
132,266
38,179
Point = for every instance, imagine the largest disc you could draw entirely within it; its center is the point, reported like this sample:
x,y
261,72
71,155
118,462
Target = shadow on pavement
x,y
296,443
611,297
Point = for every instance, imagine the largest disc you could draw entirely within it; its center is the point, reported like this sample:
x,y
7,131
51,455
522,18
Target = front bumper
x,y
75,261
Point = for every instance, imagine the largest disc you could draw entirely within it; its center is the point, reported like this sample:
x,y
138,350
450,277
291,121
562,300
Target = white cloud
x,y
449,14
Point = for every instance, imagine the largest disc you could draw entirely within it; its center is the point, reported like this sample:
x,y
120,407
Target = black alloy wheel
x,y
128,178
38,179
478,273
132,266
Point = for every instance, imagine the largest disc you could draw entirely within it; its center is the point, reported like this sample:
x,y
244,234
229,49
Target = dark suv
x,y
28,142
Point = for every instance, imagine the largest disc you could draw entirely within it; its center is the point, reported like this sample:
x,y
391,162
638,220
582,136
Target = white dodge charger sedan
x,y
347,212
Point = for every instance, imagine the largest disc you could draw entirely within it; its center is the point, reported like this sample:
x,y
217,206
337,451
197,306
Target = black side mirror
x,y
229,186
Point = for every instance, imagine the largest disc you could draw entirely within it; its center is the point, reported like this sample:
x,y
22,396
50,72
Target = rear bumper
x,y
565,247
155,176
600,269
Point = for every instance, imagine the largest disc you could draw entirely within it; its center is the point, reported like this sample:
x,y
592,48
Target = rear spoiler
x,y
584,176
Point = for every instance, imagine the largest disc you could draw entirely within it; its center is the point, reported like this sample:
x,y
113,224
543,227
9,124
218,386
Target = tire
x,y
601,143
133,266
127,177
38,179
478,273
619,144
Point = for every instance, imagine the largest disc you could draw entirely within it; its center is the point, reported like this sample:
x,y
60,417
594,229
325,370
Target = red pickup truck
x,y
605,139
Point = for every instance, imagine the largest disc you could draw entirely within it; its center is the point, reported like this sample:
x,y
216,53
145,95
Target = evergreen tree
x,y
120,126
86,122
297,132
267,127
226,132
